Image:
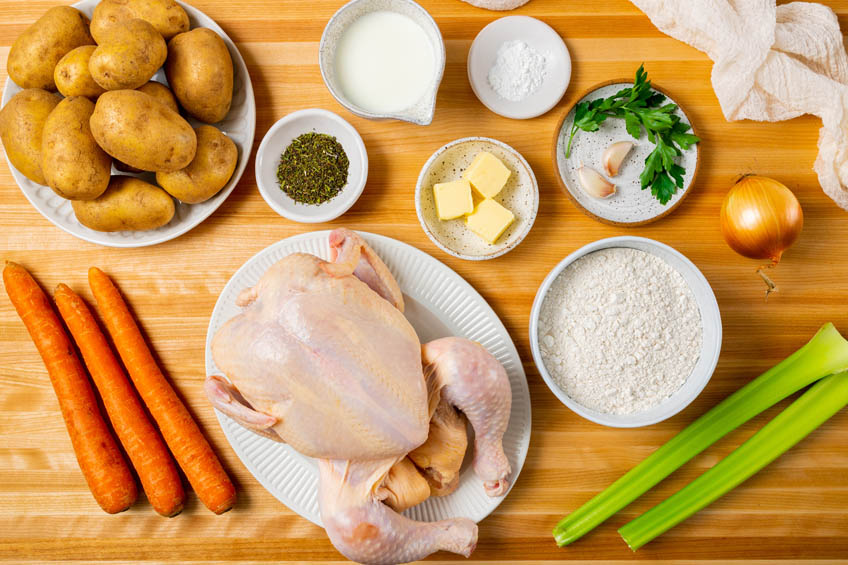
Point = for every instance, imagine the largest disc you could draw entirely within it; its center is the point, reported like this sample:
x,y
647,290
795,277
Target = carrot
x,y
193,453
152,461
102,464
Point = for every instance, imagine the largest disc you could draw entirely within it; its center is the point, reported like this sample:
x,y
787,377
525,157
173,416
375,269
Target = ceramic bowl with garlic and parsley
x,y
606,184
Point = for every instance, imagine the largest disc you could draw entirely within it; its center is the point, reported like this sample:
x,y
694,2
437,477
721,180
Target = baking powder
x,y
518,71
620,330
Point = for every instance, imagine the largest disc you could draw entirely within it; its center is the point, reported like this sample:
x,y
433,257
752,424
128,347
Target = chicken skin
x,y
335,363
365,530
405,486
322,358
473,381
440,457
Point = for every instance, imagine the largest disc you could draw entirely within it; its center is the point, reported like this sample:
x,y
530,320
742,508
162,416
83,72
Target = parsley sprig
x,y
639,106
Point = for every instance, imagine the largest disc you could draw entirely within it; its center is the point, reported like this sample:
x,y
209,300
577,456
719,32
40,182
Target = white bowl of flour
x,y
626,331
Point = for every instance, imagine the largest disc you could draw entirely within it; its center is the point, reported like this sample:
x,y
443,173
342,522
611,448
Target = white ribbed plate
x,y
438,303
239,125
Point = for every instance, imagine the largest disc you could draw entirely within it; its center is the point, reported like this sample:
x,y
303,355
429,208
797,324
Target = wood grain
x,y
795,511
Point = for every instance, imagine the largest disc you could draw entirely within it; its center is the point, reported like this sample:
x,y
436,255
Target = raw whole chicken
x,y
322,358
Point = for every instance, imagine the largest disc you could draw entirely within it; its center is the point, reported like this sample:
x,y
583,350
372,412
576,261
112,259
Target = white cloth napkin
x,y
772,63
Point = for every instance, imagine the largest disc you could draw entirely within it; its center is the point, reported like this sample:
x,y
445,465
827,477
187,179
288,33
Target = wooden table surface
x,y
796,510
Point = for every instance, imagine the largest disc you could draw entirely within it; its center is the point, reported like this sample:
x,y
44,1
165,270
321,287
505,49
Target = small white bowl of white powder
x,y
519,67
626,331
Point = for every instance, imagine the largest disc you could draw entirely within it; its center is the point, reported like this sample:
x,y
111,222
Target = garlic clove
x,y
614,156
594,184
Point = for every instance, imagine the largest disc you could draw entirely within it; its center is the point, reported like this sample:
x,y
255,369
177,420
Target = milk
x,y
384,62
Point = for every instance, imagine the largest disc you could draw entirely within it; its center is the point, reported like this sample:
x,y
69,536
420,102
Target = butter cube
x,y
489,220
487,174
453,199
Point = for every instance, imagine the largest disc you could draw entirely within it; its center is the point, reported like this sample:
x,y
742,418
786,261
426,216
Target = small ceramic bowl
x,y
420,113
539,36
710,345
281,135
630,205
520,195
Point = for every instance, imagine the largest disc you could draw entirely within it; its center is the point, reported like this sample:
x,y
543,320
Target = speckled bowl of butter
x,y
520,195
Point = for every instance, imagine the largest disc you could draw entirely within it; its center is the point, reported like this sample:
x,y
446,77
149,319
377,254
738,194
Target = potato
x,y
164,95
137,129
36,51
128,54
21,126
74,166
128,204
208,172
161,93
124,168
72,76
200,71
166,16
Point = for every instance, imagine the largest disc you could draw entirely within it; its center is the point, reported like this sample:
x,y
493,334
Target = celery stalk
x,y
826,353
819,403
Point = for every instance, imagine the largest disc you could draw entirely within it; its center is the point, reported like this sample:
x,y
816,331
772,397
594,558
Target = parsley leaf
x,y
653,165
663,188
667,152
642,107
680,136
677,172
658,119
634,126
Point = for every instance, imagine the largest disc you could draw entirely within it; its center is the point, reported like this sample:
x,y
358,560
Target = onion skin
x,y
760,218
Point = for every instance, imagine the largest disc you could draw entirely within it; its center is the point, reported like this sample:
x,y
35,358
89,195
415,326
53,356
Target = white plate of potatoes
x,y
238,124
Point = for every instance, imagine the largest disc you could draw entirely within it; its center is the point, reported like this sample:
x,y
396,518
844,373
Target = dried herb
x,y
313,168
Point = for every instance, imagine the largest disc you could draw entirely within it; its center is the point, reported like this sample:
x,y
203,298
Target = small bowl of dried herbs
x,y
311,166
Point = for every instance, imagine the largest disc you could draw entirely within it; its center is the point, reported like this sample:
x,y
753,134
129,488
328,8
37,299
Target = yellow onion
x,y
760,218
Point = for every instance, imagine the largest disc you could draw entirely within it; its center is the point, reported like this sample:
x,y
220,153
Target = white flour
x,y
518,71
620,331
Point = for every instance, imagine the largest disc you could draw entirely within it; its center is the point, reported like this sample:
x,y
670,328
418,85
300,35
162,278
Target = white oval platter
x,y
438,303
